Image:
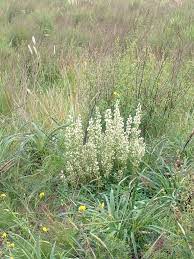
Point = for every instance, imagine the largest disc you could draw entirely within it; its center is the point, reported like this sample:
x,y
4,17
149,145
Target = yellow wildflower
x,y
116,94
101,205
3,196
10,245
45,229
11,257
82,208
4,235
41,195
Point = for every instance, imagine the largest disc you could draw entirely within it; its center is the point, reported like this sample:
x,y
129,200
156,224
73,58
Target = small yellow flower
x,y
4,235
10,245
82,208
101,205
3,196
116,94
11,257
41,195
45,229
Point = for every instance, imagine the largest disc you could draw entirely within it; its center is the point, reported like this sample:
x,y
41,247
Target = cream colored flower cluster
x,y
110,144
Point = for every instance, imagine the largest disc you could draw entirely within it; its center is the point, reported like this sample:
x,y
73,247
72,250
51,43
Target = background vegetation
x,y
61,58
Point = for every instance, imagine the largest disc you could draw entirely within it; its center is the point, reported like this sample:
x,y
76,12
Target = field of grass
x,y
96,129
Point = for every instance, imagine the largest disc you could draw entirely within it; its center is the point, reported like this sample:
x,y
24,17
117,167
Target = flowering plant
x,y
109,145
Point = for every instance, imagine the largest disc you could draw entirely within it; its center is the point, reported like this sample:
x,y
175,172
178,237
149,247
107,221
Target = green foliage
x,y
18,36
87,187
45,24
5,101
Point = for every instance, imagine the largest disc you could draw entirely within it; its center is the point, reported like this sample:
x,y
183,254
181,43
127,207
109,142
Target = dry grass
x,y
81,49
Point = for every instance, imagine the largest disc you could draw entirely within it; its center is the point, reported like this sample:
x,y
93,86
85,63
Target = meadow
x,y
96,129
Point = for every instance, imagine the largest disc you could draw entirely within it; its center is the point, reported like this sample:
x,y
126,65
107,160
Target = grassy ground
x,y
80,177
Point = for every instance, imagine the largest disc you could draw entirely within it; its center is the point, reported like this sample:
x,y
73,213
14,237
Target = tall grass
x,y
82,58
